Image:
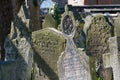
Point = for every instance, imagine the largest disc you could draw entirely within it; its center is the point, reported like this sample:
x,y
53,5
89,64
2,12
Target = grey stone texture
x,y
117,24
98,33
48,43
97,36
7,70
73,64
18,48
112,59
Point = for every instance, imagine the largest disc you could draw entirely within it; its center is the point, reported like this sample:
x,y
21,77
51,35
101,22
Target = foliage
x,y
57,14
54,10
99,78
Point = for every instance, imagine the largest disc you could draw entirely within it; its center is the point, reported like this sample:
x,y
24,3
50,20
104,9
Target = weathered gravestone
x,y
73,64
48,43
117,25
7,70
49,21
18,47
97,36
112,59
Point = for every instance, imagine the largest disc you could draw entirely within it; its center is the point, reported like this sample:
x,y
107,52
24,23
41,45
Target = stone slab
x,y
74,67
71,63
48,43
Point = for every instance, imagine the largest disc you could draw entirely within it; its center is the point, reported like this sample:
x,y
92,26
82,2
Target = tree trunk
x,y
6,17
34,14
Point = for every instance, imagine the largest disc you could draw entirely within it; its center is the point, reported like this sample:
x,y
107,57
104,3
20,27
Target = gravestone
x,y
18,46
73,64
7,70
117,24
49,21
48,43
97,36
112,59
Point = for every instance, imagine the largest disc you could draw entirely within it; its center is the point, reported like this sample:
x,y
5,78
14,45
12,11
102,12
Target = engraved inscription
x,y
70,65
46,45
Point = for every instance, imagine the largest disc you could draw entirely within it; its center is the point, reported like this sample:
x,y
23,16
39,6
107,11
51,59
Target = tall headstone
x,y
48,43
97,36
112,59
72,65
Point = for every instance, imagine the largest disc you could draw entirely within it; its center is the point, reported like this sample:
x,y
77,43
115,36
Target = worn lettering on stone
x,y
48,44
70,65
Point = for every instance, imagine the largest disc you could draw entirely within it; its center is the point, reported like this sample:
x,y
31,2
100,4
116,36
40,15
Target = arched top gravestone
x,y
72,64
98,34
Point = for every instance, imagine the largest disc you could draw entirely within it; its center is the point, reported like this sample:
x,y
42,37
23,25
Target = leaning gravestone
x,y
18,47
72,65
48,43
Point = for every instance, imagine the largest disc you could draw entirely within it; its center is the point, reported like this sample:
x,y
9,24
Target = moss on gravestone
x,y
48,45
92,68
49,21
98,35
97,44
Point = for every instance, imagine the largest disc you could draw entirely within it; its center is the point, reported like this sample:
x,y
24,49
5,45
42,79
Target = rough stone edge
x,y
70,13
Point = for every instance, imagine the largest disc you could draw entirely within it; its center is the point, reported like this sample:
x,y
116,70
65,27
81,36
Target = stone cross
x,y
112,59
70,64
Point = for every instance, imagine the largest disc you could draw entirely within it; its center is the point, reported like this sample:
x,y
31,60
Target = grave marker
x,y
72,64
113,57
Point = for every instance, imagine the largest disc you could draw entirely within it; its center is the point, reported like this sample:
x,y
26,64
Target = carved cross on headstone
x,y
112,59
70,66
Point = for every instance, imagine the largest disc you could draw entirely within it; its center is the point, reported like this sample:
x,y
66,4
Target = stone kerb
x,y
71,64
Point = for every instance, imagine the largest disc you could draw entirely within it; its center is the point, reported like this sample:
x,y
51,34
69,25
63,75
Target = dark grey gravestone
x,y
72,65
